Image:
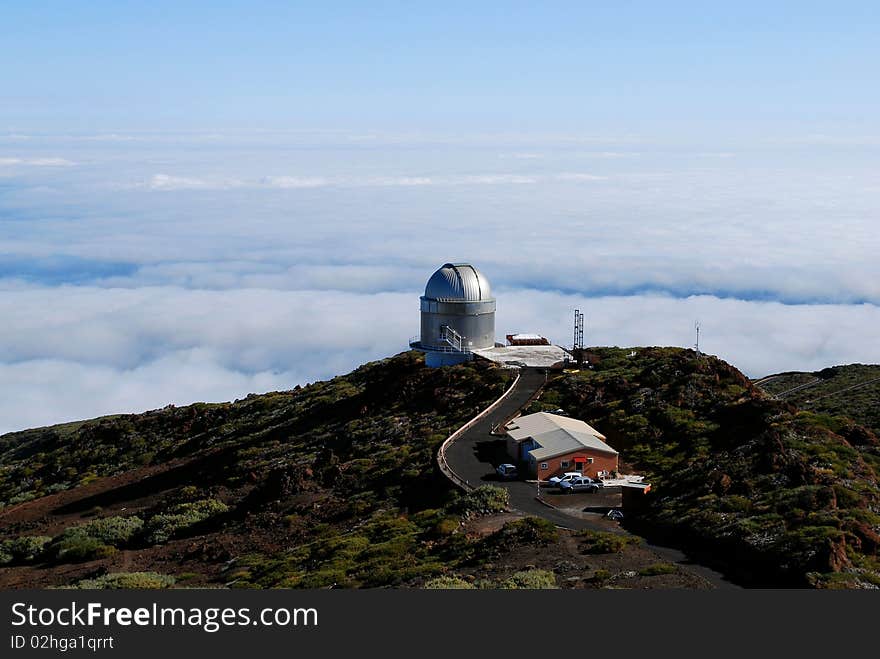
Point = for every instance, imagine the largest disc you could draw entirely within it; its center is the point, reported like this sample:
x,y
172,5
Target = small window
x,y
589,460
544,466
564,464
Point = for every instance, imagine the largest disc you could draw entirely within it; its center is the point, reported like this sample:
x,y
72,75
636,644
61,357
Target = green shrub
x,y
96,539
735,504
600,575
114,531
446,526
160,528
323,579
428,518
846,498
23,549
187,576
485,499
78,547
127,581
602,542
448,583
189,492
529,530
832,580
530,580
657,569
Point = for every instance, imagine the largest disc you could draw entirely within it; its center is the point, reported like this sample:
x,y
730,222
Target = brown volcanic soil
x,y
336,485
55,512
124,494
205,560
575,568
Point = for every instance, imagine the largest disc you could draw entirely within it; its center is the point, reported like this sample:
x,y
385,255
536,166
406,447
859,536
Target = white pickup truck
x,y
567,476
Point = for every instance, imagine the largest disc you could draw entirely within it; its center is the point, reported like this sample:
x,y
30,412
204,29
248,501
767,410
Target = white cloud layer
x,y
172,268
771,225
166,182
35,162
100,351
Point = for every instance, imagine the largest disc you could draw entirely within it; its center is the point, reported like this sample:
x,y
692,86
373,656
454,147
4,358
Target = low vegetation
x,y
335,485
773,494
163,526
484,500
127,580
835,397
448,583
23,549
533,579
658,569
530,580
96,539
603,542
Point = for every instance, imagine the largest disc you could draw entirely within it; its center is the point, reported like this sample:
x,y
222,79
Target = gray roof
x,y
532,424
459,282
556,435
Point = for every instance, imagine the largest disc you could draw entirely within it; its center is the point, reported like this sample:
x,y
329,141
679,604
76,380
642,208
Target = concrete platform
x,y
537,356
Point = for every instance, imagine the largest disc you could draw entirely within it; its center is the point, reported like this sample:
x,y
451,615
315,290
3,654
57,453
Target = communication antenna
x,y
578,344
697,344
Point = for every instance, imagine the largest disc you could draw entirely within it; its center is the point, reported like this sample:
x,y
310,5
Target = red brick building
x,y
550,445
527,340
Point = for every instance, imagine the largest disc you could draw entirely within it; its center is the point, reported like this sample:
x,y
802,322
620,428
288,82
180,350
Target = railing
x,y
452,337
416,343
441,452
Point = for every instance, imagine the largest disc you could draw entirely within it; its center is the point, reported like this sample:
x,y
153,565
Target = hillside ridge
x,y
335,484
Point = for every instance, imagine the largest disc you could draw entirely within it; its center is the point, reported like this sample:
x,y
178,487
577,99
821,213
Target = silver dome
x,y
460,282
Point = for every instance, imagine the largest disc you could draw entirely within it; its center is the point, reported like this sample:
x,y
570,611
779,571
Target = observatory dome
x,y
458,315
459,282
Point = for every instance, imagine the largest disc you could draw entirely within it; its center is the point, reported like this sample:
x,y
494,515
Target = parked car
x,y
580,484
507,471
567,476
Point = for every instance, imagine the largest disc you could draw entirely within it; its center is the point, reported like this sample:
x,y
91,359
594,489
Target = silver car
x,y
580,484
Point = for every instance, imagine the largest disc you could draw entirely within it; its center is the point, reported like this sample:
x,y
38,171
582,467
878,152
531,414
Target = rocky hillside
x,y
771,493
329,485
334,485
851,391
186,490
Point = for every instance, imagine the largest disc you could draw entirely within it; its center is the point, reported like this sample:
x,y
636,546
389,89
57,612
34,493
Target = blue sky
x,y
686,68
199,201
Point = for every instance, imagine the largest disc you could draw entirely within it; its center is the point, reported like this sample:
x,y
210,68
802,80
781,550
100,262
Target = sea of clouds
x,y
143,269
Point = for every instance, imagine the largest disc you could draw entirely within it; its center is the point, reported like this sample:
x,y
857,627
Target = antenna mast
x,y
697,344
578,344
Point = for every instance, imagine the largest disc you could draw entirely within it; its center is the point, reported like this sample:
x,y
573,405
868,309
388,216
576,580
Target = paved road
x,y
473,457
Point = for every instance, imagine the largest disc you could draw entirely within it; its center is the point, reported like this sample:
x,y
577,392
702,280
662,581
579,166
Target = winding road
x,y
473,454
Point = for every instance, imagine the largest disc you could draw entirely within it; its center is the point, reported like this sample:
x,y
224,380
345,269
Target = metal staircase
x,y
453,338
